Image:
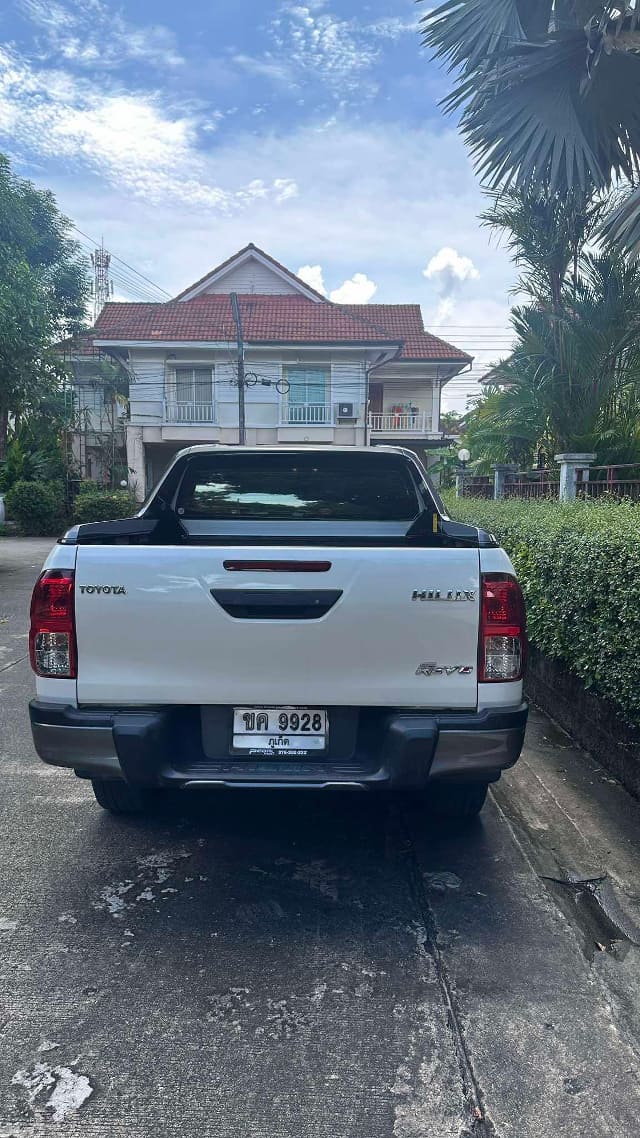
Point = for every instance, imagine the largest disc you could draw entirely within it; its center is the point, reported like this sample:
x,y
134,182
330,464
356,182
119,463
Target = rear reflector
x,y
503,630
52,637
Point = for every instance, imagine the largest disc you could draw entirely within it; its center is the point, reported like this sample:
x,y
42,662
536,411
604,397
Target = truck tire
x,y
120,798
459,802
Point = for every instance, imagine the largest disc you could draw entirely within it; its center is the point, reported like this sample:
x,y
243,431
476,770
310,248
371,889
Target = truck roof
x,y
301,448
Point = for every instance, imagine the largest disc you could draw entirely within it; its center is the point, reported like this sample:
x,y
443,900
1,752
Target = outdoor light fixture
x,y
464,455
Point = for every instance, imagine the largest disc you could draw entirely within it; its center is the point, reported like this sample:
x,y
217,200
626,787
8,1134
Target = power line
x,y
126,264
126,281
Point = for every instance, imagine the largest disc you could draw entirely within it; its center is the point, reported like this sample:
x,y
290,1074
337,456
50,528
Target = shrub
x,y
579,565
37,507
95,504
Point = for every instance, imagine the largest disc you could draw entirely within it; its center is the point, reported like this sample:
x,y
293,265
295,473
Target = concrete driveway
x,y
290,966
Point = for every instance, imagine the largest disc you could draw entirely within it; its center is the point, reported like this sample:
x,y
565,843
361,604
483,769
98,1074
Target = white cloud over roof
x,y
359,289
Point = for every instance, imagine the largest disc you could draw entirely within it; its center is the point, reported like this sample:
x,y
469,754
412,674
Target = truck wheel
x,y
120,798
460,802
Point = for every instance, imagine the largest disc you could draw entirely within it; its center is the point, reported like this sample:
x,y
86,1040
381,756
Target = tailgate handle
x,y
276,604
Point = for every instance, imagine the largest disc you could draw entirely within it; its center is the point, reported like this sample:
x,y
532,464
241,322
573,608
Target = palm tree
x,y
550,94
572,381
546,234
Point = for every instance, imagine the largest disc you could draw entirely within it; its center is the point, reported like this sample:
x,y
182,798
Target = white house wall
x,y
252,277
153,374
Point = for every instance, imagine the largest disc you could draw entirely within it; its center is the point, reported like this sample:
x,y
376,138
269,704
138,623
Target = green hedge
x,y
579,565
37,507
95,504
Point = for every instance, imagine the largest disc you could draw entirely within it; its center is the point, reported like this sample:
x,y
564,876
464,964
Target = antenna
x,y
102,287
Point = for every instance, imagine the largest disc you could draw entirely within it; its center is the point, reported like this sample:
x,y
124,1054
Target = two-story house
x,y
315,371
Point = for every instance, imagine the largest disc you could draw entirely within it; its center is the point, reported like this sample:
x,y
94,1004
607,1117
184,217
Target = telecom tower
x,y
102,285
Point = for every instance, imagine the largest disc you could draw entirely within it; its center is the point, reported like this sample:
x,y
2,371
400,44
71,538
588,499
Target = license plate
x,y
279,730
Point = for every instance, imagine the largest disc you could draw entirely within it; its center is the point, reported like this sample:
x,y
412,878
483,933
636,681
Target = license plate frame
x,y
249,737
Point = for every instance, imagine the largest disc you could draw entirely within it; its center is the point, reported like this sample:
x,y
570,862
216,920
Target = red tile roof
x,y
277,319
405,322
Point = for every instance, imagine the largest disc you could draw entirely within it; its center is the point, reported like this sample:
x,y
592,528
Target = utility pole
x,y
235,308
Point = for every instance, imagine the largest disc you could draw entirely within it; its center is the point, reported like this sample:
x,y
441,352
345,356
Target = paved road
x,y
312,967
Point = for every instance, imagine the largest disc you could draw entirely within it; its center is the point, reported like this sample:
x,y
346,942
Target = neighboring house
x,y
495,378
97,440
348,374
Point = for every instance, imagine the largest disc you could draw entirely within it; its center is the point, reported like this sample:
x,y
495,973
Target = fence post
x,y
501,471
460,473
570,464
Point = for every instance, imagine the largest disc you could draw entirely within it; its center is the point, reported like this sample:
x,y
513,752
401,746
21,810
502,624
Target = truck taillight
x,y
503,630
52,638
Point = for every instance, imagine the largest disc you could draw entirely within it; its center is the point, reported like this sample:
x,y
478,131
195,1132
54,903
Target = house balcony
x,y
188,414
401,425
306,415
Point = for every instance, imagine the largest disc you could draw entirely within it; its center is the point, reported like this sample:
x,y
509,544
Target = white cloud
x,y
393,27
450,269
89,34
285,189
311,44
132,140
326,44
312,275
358,290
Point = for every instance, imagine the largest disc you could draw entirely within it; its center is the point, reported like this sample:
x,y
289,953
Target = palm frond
x,y
465,32
536,126
622,227
555,105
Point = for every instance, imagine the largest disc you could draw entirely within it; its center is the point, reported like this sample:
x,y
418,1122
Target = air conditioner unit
x,y
346,411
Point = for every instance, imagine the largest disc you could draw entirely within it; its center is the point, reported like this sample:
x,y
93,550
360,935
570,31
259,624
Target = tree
x,y
43,292
572,381
549,92
451,422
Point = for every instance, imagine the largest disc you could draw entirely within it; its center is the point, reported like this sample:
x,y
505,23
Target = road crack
x,y
5,667
479,1124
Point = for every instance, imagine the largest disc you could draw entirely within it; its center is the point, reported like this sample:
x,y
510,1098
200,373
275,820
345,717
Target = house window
x,y
308,398
90,398
194,385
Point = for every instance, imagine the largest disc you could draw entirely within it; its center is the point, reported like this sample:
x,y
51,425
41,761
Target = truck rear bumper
x,y
155,747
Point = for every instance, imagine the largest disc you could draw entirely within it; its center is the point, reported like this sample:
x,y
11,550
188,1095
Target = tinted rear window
x,y
284,487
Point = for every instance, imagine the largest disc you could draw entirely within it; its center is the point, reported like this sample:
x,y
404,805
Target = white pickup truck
x,y
291,617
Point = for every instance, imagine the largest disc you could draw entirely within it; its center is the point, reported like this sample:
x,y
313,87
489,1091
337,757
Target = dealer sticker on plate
x,y
279,730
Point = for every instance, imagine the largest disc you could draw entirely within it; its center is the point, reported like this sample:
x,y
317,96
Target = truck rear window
x,y
283,487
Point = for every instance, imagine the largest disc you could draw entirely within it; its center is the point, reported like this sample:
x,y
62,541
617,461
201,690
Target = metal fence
x,y
477,486
617,482
533,484
610,481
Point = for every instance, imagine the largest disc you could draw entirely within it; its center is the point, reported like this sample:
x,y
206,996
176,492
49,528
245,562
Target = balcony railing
x,y
390,423
189,413
306,414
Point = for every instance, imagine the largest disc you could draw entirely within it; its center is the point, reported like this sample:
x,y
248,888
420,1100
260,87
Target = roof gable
x,y
251,271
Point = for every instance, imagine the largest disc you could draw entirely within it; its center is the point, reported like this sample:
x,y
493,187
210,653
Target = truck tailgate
x,y
174,626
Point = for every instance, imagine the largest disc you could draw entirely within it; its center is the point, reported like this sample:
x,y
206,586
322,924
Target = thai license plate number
x,y
279,730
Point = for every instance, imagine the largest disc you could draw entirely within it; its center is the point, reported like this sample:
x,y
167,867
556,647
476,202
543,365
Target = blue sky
x,y
182,131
